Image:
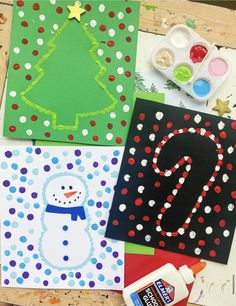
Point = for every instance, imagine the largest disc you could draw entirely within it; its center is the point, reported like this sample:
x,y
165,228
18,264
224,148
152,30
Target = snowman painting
x,y
65,241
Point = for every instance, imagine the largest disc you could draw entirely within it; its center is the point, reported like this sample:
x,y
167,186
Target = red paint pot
x,y
197,53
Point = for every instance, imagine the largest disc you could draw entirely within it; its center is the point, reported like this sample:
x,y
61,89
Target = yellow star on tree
x,y
222,107
75,11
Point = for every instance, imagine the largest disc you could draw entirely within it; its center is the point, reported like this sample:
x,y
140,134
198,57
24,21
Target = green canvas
x,y
72,81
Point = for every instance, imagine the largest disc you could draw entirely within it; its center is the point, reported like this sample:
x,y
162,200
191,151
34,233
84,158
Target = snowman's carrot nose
x,y
70,194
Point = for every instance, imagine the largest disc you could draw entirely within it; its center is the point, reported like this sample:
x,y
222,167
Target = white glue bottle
x,y
164,286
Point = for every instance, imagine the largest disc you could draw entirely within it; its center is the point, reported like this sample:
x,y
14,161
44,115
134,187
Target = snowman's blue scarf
x,y
73,211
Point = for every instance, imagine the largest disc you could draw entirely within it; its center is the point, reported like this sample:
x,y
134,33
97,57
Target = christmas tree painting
x,y
69,82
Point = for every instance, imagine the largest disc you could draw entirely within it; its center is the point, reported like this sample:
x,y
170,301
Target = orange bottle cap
x,y
198,267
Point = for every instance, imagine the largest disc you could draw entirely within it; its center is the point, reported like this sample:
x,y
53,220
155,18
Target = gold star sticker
x,y
75,11
222,107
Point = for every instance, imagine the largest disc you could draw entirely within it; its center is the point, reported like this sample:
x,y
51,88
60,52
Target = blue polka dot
x,y
13,275
65,228
7,252
4,165
46,154
23,239
71,283
21,214
78,161
120,262
101,232
20,253
7,223
108,190
65,242
37,280
27,206
48,272
94,261
81,169
96,173
19,200
29,159
9,197
114,174
56,280
71,274
66,258
30,182
106,204
90,176
106,168
12,189
13,247
5,268
22,265
26,260
16,153
94,227
29,150
36,205
114,267
15,224
15,177
55,160
98,214
14,166
82,283
35,171
88,154
102,255
116,153
109,282
104,157
90,275
108,249
90,202
35,256
101,277
23,179
46,168
19,280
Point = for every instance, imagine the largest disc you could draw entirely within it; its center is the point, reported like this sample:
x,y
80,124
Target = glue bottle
x,y
164,286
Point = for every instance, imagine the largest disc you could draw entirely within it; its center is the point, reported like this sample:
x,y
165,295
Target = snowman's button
x,y
65,228
65,242
66,258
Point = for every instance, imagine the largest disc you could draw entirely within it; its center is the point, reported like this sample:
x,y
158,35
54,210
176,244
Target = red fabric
x,y
137,266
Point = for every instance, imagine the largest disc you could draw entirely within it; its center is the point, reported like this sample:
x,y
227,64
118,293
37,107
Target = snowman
x,y
65,242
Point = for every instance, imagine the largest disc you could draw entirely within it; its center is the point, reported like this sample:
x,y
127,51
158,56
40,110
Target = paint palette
x,y
191,62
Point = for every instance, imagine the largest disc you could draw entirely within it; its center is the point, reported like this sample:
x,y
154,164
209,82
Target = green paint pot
x,y
183,73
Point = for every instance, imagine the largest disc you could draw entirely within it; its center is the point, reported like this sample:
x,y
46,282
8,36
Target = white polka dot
x,y
28,66
12,94
93,23
47,123
181,231
139,227
120,70
21,14
141,189
159,115
119,55
120,15
131,28
126,177
226,233
152,137
209,230
207,209
158,228
230,207
100,52
29,132
144,162
111,32
53,2
119,88
40,41
85,132
132,151
192,234
148,238
230,150
112,115
101,8
109,136
151,203
55,27
22,119
42,17
140,126
126,108
16,50
122,207
197,251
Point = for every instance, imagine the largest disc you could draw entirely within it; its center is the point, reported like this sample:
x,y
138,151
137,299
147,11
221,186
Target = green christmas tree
x,y
69,82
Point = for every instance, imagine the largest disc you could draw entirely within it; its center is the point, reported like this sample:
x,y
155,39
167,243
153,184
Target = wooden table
x,y
213,23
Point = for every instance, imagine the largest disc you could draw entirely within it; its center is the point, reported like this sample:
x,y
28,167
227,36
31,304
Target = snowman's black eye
x,y
63,187
70,187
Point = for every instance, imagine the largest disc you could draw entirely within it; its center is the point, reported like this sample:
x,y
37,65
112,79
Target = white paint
x,y
126,108
40,41
21,14
119,55
144,162
230,150
100,52
152,137
221,125
192,234
119,88
28,66
197,118
109,136
131,28
112,115
55,27
101,8
225,178
16,50
159,115
120,70
120,15
207,209
126,177
132,151
141,189
139,227
140,126
148,238
209,230
22,119
151,203
84,132
122,207
29,132
42,17
111,32
93,23
230,207
12,94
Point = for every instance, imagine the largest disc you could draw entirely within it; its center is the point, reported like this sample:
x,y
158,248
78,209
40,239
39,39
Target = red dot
x,y
109,126
115,222
111,43
124,191
70,137
138,202
140,175
157,184
229,166
146,218
108,59
35,52
128,39
118,140
222,223
123,123
217,209
223,135
131,161
102,28
122,98
155,127
24,24
141,116
59,10
12,128
169,125
233,125
20,3
128,10
212,253
122,26
111,78
127,58
181,246
131,233
217,189
95,138
111,14
14,106
36,6
186,117
136,139
217,241
28,77
88,7
233,194
131,217
170,198
200,220
128,74
207,124
162,244
24,41
16,66
148,150
40,29
201,242
47,134
92,123
34,118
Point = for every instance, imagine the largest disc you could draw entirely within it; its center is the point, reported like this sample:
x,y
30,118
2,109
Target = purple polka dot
x,y
34,195
45,283
6,183
22,189
30,217
117,279
12,211
103,243
115,254
77,152
103,183
8,154
46,168
6,281
99,266
25,274
39,266
12,263
77,274
8,235
95,164
30,247
99,204
102,222
23,170
70,166
38,151
114,161
63,276
91,284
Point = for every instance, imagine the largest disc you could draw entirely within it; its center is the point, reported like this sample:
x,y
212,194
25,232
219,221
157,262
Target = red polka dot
x,y
148,150
14,106
169,125
47,134
222,223
111,78
34,118
155,127
207,124
41,30
108,59
146,218
16,66
141,116
212,253
92,123
201,242
102,28
118,140
111,14
128,74
223,135
170,198
59,10
95,138
128,39
122,98
24,41
233,194
109,126
28,77
217,209
217,241
121,26
20,3
36,6
162,244
131,161
131,233
181,246
217,189
123,123
138,202
157,184
12,128
35,52
136,139
132,217
111,43
127,58
70,137
115,222
24,24
88,7
229,167
124,191
233,125
186,117
140,175
200,220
